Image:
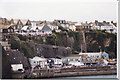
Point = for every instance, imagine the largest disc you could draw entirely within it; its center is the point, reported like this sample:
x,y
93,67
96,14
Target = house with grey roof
x,y
104,26
46,30
85,26
53,26
36,30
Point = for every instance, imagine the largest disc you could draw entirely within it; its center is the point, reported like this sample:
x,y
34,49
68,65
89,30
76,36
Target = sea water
x,y
95,76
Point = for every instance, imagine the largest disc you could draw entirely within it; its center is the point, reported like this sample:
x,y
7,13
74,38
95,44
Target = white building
x,y
36,30
5,45
72,26
75,61
114,28
67,24
17,67
92,54
53,27
57,61
25,30
109,27
42,62
91,57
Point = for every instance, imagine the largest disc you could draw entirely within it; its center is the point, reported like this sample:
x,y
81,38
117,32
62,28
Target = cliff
x,y
57,43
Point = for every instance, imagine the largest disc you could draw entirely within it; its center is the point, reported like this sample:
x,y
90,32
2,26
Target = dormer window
x,y
27,27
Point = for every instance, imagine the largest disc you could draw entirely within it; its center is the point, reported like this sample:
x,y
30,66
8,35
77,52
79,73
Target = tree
x,y
62,28
21,37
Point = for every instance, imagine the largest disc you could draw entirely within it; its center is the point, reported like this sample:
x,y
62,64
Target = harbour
x,y
94,76
58,48
68,72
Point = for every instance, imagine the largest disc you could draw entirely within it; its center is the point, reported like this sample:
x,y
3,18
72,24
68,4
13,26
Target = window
x,y
42,31
8,30
68,59
15,27
73,59
6,48
1,30
11,30
76,59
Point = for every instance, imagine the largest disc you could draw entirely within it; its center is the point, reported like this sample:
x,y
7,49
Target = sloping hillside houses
x,y
83,26
27,27
40,30
66,24
19,24
109,27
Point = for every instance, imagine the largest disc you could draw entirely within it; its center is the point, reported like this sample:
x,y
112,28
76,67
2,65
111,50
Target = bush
x,y
27,50
62,28
50,40
22,47
71,33
100,37
21,37
77,42
15,44
38,39
59,39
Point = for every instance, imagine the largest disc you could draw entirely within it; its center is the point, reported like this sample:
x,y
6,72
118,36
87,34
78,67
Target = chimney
x,y
111,21
96,21
104,21
45,22
108,23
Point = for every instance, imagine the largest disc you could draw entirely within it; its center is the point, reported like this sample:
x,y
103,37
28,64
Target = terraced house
x,y
109,27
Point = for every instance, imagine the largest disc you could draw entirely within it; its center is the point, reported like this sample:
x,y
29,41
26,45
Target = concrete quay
x,y
67,72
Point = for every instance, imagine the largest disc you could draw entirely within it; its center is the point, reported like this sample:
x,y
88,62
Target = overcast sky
x,y
74,10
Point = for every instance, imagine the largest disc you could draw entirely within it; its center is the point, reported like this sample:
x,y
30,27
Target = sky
x,y
70,10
